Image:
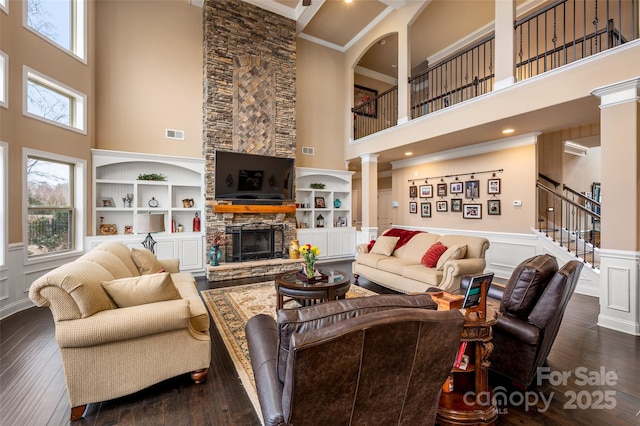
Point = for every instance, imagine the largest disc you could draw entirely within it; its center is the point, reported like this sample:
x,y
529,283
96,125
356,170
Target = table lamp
x,y
147,222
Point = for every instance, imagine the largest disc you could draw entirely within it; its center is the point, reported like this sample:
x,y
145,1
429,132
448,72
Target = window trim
x,y
78,30
4,6
4,76
79,204
79,100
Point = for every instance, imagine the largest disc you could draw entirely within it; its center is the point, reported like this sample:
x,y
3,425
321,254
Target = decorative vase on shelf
x,y
215,254
337,203
294,248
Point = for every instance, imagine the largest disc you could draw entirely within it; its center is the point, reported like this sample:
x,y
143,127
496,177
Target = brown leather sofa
x,y
372,360
532,306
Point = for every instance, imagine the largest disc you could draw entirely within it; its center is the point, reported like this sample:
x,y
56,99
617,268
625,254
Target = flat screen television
x,y
253,179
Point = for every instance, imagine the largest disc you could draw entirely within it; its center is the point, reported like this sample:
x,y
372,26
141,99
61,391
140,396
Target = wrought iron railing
x,y
572,220
377,114
465,75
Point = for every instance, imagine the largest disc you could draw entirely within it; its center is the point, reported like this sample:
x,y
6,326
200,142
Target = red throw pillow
x,y
430,258
370,245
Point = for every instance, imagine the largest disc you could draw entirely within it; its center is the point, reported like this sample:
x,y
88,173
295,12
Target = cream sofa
x,y
403,271
122,324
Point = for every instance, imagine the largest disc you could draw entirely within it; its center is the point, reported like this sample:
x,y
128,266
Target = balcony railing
x,y
560,33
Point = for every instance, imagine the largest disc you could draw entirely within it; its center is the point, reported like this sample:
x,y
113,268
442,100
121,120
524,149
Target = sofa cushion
x,y
141,290
431,256
371,260
121,251
146,261
186,286
429,276
392,264
384,245
111,262
526,284
318,316
452,253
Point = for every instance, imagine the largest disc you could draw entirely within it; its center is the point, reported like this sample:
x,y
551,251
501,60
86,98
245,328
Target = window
x,y
4,6
54,208
61,22
4,78
53,102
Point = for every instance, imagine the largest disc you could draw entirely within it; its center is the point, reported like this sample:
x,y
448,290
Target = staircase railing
x,y
571,220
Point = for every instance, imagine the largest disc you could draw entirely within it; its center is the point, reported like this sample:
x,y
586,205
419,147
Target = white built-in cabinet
x,y
115,174
337,237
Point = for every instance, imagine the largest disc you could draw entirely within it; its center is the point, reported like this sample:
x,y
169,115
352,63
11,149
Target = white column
x,y
369,196
404,70
504,64
620,230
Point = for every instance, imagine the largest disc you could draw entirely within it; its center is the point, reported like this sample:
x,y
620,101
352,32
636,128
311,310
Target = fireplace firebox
x,y
255,241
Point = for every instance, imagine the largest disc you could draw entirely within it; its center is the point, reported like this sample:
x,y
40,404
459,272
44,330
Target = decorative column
x,y
369,198
404,68
504,51
620,230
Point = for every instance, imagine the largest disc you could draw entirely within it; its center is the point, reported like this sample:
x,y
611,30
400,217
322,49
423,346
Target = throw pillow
x,y
141,290
146,261
384,245
452,253
432,255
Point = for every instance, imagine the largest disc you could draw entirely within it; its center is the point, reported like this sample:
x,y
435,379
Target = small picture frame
x,y
413,207
472,189
472,211
442,206
342,221
413,191
106,202
128,229
319,203
493,207
455,187
442,190
426,191
456,205
493,186
425,209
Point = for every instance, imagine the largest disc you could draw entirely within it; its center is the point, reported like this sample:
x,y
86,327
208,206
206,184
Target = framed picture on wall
x,y
455,187
413,191
493,207
441,206
493,186
426,191
456,205
413,207
472,211
472,189
425,209
319,203
442,190
365,102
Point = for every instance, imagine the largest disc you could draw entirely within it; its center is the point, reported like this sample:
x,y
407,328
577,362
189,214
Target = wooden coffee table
x,y
334,287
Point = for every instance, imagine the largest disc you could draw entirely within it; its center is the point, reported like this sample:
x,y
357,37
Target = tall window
x,y
51,101
54,206
61,22
4,6
4,78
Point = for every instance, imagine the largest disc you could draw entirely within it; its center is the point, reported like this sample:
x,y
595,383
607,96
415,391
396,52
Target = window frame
x,y
4,80
4,189
4,6
78,193
78,30
78,108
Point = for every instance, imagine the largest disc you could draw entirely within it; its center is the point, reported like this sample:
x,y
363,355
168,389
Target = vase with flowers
x,y
216,239
310,254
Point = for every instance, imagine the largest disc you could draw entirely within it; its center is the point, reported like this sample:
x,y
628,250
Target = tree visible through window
x,y
52,19
50,206
48,103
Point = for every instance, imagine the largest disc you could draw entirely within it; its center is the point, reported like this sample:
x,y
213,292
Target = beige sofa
x,y
403,271
122,324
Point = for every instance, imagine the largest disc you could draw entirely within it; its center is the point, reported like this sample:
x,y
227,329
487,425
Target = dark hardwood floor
x,y
32,387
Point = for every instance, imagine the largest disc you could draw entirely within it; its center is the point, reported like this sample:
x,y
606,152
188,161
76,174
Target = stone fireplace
x,y
248,106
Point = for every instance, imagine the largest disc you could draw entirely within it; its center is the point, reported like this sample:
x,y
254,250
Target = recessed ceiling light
x,y
408,153
347,1
507,131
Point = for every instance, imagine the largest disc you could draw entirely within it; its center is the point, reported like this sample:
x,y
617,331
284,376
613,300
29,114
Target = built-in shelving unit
x,y
115,174
324,195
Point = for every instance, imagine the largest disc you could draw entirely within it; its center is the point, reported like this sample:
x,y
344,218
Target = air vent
x,y
174,134
308,150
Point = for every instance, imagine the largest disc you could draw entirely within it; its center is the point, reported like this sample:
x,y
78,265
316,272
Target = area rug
x,y
231,307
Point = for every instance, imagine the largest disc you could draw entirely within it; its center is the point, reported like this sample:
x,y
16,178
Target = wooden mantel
x,y
241,208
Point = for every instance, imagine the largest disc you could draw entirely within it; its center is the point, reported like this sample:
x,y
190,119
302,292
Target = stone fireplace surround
x,y
249,94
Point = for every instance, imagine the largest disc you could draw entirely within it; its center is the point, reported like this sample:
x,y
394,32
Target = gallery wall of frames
x,y
456,194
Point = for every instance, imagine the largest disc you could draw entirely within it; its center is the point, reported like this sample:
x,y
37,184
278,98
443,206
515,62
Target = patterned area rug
x,y
231,307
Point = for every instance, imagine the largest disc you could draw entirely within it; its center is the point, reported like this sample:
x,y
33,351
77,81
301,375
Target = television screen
x,y
253,179
473,295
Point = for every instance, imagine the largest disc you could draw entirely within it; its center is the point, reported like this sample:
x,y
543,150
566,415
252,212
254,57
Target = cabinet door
x,y
315,238
191,256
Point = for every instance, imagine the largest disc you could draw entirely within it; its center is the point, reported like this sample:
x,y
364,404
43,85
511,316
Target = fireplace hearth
x,y
255,241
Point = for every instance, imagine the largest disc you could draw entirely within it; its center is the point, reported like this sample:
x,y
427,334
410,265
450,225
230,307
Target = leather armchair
x,y
372,360
532,306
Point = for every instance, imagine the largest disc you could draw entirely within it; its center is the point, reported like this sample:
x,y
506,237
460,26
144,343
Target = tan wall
x,y
319,105
149,76
580,172
25,48
517,183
